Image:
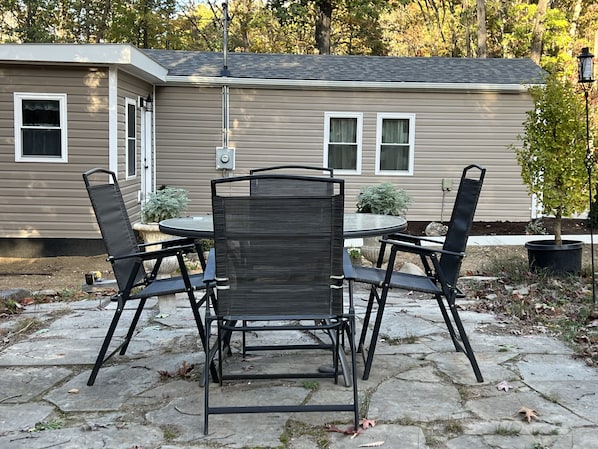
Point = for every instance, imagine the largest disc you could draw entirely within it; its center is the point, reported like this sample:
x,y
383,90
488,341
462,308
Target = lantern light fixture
x,y
585,66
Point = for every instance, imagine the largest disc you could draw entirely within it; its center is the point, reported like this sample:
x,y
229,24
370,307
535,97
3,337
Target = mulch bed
x,y
569,226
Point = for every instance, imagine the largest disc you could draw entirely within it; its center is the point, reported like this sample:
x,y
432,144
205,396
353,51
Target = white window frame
x,y
359,136
18,126
134,139
411,143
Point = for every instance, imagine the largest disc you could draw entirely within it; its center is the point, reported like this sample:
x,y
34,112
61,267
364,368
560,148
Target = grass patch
x,y
294,429
408,340
453,426
53,424
28,324
311,385
170,432
539,302
507,431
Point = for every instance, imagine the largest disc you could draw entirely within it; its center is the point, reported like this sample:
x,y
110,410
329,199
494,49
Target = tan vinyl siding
x,y
272,127
188,130
49,199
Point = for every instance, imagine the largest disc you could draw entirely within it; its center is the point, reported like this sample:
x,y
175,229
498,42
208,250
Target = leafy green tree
x,y
143,23
338,26
552,154
29,20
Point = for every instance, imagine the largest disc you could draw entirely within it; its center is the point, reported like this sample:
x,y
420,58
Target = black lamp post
x,y
586,79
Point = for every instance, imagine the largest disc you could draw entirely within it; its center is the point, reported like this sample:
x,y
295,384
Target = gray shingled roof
x,y
350,68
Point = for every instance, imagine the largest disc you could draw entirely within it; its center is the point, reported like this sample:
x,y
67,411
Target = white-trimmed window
x,y
395,137
342,141
40,127
131,137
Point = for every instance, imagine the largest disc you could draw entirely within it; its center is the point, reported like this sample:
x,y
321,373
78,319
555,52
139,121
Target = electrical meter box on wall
x,y
225,158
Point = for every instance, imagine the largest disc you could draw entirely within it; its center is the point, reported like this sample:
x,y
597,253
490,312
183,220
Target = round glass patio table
x,y
355,226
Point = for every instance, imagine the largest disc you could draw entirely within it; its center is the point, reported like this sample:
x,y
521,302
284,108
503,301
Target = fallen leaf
x,y
185,368
504,386
332,428
374,444
528,413
164,373
181,371
365,423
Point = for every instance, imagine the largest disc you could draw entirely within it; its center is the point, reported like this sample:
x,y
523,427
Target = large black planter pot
x,y
545,255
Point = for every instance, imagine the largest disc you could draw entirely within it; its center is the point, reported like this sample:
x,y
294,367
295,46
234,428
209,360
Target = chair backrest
x,y
113,220
459,227
275,186
278,255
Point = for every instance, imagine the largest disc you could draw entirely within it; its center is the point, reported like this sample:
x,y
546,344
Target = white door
x,y
147,151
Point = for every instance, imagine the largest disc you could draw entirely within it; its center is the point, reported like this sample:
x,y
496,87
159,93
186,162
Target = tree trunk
x,y
103,23
538,31
558,238
323,26
481,13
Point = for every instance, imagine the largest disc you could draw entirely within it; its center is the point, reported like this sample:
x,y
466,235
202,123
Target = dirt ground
x,y
68,273
50,273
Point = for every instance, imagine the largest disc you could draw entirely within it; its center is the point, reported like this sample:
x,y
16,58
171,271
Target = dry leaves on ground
x,y
528,413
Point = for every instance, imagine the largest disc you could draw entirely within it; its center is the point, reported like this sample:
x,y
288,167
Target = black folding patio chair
x,y
275,186
441,268
278,265
127,257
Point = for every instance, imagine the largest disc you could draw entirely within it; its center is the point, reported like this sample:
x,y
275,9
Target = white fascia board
x,y
323,84
125,56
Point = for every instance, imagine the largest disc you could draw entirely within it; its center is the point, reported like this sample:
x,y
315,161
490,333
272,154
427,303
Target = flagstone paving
x,y
421,393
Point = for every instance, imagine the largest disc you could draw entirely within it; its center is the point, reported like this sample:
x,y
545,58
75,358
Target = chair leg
x,y
195,305
206,374
463,345
449,324
467,346
351,335
106,344
366,318
133,325
375,333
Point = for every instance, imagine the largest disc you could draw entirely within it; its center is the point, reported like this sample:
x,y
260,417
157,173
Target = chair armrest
x,y
157,254
209,274
179,241
418,249
411,238
348,270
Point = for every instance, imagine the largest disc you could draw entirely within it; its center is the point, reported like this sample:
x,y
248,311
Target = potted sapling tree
x,y
552,157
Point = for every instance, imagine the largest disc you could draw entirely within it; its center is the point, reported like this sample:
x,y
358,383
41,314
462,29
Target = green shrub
x,y
383,199
167,202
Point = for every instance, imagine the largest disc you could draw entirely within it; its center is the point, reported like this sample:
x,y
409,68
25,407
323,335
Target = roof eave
x,y
324,84
125,56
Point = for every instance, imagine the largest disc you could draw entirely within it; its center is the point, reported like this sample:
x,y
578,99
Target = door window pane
x,y
131,139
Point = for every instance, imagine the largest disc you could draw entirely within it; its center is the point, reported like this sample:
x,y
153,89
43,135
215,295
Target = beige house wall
x,y
274,127
188,130
49,199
